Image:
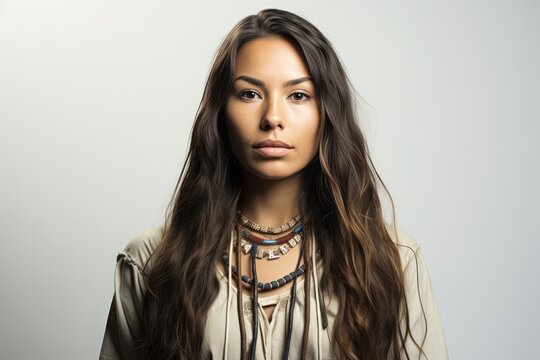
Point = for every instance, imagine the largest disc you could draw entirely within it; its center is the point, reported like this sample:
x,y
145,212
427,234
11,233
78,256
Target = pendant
x,y
272,256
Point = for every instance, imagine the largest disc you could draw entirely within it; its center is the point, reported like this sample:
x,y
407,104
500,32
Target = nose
x,y
272,117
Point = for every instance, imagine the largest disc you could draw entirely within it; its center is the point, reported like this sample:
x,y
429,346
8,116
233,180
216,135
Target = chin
x,y
274,173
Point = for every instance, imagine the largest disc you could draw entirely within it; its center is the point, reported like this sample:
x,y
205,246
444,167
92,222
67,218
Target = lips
x,y
272,143
272,148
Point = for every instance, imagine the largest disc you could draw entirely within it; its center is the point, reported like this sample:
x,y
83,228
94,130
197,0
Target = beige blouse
x,y
222,338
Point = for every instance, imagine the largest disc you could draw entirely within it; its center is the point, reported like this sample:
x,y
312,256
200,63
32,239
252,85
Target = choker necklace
x,y
265,229
252,238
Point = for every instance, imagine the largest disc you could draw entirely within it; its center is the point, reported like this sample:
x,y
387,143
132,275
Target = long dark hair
x,y
339,202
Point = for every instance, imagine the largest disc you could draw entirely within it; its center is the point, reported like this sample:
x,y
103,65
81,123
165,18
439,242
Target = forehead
x,y
270,58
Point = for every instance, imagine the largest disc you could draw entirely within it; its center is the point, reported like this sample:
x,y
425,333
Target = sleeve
x,y
125,314
424,318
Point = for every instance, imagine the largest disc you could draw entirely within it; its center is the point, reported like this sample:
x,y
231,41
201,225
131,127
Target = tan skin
x,y
288,112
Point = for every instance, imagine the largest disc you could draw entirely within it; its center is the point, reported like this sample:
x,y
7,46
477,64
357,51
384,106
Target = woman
x,y
274,246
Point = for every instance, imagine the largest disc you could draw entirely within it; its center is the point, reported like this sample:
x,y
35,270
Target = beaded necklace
x,y
246,234
265,229
288,241
269,285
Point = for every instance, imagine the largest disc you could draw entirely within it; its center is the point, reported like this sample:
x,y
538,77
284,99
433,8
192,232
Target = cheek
x,y
230,122
315,132
231,131
235,132
235,119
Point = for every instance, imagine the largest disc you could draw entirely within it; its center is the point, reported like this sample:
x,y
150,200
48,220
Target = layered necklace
x,y
250,244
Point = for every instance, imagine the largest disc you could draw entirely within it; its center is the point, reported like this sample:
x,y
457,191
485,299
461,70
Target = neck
x,y
270,202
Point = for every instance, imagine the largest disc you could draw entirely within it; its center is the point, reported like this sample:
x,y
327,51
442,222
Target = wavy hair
x,y
339,202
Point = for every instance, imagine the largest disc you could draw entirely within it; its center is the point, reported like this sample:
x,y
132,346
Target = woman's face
x,y
272,113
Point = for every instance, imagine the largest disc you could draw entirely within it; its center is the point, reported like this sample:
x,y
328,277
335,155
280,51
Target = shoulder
x,y
141,246
422,310
406,244
413,265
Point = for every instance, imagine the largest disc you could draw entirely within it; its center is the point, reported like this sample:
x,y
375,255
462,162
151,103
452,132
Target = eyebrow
x,y
260,83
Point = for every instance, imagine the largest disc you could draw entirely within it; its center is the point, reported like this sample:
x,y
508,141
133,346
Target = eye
x,y
300,96
248,94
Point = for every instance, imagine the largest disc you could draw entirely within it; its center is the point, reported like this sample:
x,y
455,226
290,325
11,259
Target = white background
x,y
97,99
